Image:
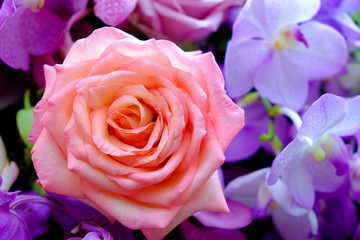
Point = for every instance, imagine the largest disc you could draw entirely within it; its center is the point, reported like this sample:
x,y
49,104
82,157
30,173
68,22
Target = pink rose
x,y
181,19
135,128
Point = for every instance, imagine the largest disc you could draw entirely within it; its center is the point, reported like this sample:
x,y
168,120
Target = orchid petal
x,y
351,122
328,111
114,12
294,151
241,61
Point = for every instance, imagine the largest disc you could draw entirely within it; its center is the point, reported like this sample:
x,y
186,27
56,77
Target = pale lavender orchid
x,y
336,213
346,84
278,50
256,124
33,27
290,220
336,14
318,159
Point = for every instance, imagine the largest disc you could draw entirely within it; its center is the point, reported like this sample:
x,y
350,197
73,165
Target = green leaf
x,y
356,17
24,121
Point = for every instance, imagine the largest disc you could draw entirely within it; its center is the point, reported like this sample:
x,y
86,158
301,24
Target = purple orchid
x,y
346,84
337,214
290,220
23,217
77,211
354,174
33,27
12,226
336,14
190,231
318,159
256,124
277,50
114,12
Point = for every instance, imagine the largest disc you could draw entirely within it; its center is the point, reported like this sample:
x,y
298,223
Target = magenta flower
x,y
181,20
114,12
277,50
33,27
318,159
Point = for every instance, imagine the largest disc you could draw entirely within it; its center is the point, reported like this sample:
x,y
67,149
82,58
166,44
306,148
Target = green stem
x,y
27,103
266,104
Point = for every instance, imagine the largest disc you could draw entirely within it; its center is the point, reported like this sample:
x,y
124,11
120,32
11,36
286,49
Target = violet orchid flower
x,y
77,211
256,124
34,210
12,226
318,159
23,217
33,27
278,50
346,84
336,14
336,214
290,220
354,174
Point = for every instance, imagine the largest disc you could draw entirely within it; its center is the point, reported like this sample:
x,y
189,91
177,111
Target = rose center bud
x,y
131,121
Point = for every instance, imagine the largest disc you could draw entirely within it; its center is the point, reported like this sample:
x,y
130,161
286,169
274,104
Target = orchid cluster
x,y
106,136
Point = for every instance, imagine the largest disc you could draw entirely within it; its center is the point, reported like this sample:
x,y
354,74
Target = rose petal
x,y
94,45
52,171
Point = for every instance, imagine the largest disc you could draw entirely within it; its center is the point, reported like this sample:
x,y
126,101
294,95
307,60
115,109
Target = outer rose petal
x,y
228,118
209,191
93,46
52,170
